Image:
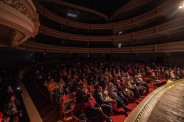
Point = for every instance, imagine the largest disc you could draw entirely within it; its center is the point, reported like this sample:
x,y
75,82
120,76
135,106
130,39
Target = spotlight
x,y
180,7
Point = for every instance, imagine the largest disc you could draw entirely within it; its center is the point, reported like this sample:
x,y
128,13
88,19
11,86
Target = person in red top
x,y
90,102
85,82
93,109
1,116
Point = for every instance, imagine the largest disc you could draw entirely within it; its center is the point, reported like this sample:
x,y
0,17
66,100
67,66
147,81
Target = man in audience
x,y
105,105
132,87
53,90
140,83
113,91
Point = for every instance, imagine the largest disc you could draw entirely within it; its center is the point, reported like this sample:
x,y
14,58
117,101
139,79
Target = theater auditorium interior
x,y
91,61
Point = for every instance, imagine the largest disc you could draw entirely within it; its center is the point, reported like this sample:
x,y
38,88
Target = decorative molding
x,y
20,16
20,6
162,48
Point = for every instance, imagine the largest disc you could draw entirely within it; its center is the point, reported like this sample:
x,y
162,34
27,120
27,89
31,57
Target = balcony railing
x,y
161,10
166,47
168,26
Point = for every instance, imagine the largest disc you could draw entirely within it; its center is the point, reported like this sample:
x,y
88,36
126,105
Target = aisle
x,y
46,111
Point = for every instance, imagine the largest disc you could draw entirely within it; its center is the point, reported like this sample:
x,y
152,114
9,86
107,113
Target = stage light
x,y
180,7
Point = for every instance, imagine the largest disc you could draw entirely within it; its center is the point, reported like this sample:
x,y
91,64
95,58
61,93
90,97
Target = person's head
x,y
110,84
89,96
10,89
99,88
12,98
127,79
52,80
118,82
61,80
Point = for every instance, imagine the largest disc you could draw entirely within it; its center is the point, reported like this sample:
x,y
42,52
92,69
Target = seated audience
x,y
122,82
93,109
105,105
13,109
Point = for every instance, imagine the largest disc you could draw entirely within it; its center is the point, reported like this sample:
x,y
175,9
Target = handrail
x,y
166,47
115,26
32,112
168,26
143,110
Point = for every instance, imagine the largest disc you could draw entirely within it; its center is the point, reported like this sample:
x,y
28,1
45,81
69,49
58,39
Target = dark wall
x,y
12,57
175,58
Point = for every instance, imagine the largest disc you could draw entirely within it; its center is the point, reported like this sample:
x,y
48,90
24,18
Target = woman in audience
x,y
13,109
93,109
172,75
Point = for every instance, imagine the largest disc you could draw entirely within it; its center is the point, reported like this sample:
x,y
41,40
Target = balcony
x,y
20,19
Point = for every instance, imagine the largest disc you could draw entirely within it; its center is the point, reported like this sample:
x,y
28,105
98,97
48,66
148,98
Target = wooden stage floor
x,y
170,107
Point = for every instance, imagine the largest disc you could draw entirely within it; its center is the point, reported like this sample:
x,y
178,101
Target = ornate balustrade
x,y
20,16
